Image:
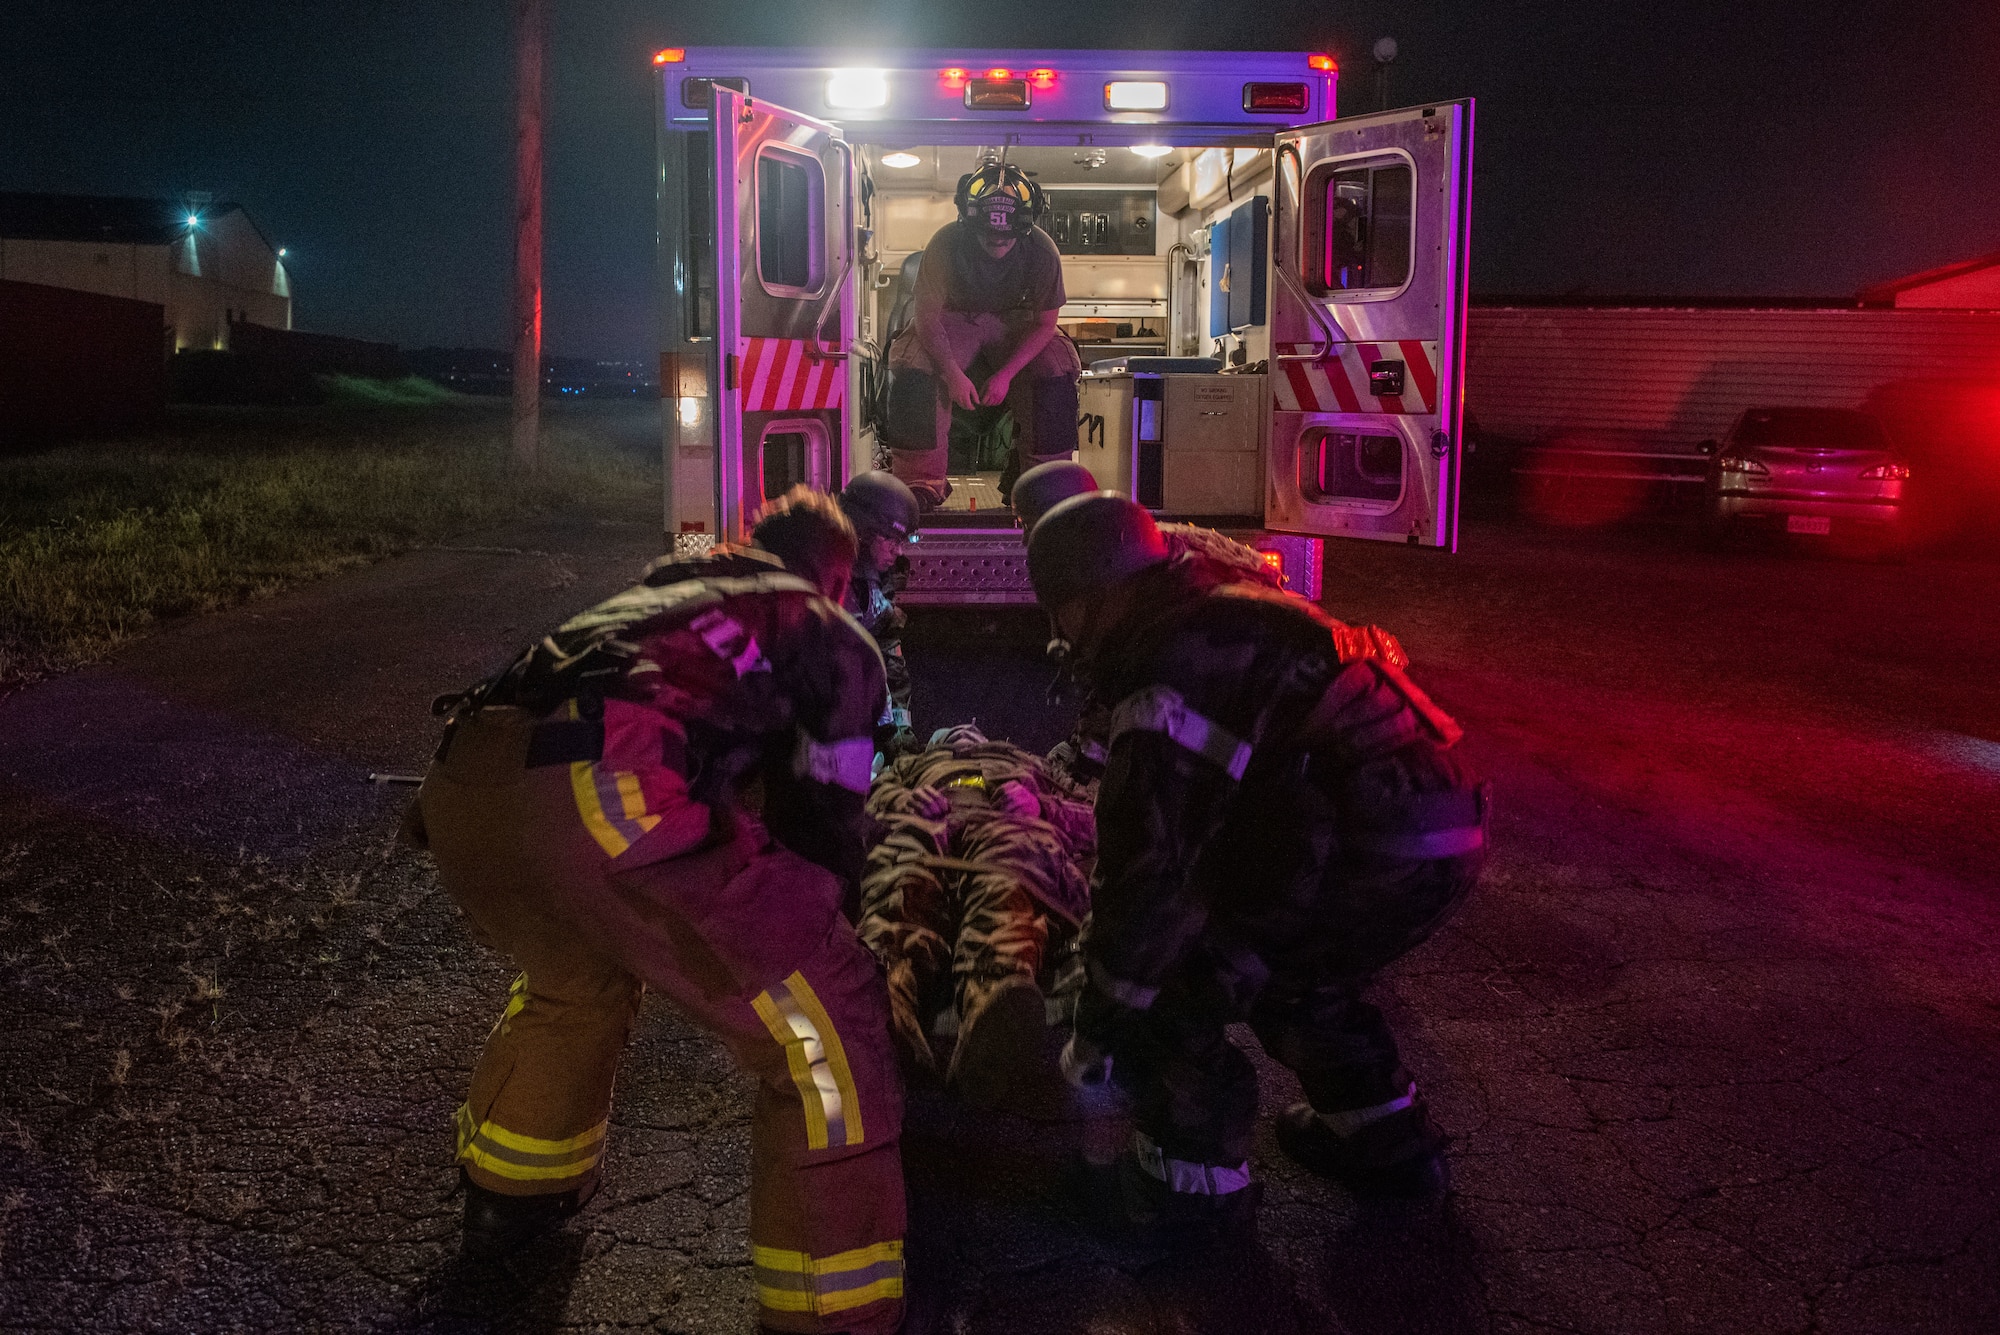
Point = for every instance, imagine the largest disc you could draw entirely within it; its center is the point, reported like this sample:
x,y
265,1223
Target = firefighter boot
x,y
1390,1150
498,1225
1002,1058
1185,1221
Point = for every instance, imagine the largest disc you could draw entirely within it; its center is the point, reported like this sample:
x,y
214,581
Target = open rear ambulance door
x,y
1368,325
784,317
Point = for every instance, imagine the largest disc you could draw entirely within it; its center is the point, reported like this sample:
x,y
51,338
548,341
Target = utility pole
x,y
530,32
1384,53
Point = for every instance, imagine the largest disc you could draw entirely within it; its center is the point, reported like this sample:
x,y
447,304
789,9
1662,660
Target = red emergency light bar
x,y
1043,78
1274,97
991,94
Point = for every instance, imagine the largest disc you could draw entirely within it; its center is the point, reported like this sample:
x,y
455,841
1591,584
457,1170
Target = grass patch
x,y
98,542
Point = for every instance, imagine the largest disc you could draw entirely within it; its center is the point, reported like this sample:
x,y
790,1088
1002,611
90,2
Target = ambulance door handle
x,y
1329,334
818,347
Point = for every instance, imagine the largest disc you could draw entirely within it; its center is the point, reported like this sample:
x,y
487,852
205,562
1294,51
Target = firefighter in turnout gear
x,y
589,810
1283,813
884,514
979,864
1080,757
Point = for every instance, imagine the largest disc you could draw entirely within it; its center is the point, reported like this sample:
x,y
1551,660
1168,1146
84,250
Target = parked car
x,y
1817,471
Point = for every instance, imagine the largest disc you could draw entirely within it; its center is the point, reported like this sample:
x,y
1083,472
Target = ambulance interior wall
x,y
1194,188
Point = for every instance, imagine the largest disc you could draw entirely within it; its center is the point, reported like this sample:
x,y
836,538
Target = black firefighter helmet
x,y
999,198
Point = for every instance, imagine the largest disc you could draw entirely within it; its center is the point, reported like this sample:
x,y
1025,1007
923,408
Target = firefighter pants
x,y
1296,973
747,939
1042,398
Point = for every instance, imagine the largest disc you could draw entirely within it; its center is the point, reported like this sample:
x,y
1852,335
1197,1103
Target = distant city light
x,y
900,159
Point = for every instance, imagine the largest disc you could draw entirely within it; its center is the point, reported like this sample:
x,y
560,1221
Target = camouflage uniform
x,y
871,597
1281,815
969,898
589,812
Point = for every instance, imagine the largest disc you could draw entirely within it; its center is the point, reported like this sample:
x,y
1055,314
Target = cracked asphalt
x,y
1716,1041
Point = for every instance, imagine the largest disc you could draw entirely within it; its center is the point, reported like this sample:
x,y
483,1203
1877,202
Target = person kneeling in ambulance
x,y
988,294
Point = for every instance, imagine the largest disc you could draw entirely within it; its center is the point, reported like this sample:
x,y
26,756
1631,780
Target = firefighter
x,y
1079,759
1045,486
884,513
978,868
988,292
587,811
1282,814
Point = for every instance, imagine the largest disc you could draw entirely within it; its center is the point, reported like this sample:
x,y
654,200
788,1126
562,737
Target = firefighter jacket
x,y
871,597
1079,759
684,689
1226,701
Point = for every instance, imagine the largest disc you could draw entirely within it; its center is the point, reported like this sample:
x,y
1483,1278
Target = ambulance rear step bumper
x,y
955,567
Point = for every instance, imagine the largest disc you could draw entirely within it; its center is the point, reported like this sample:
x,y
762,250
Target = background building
x,y
205,266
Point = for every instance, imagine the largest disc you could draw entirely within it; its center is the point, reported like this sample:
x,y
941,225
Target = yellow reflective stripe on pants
x,y
795,1282
517,999
510,1154
797,1020
610,801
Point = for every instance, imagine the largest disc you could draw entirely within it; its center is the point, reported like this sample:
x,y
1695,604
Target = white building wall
x,y
1667,379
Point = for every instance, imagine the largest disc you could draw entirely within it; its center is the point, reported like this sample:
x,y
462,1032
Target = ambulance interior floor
x,y
1717,1042
974,492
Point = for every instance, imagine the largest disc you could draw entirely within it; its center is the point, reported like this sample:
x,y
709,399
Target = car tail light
x,y
1887,473
1274,97
1730,463
991,94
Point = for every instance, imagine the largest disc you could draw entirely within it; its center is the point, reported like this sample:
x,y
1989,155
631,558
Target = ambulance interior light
x,y
900,159
1152,150
1135,95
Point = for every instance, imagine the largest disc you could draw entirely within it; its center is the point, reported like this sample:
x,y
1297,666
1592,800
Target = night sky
x,y
1675,147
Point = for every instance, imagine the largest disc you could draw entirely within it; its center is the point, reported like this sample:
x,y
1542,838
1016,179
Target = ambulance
x,y
1269,302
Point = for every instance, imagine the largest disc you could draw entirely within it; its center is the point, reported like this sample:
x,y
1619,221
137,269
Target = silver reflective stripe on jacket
x,y
1161,709
845,762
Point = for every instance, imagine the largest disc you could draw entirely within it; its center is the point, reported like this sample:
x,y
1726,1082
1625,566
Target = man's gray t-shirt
x,y
957,267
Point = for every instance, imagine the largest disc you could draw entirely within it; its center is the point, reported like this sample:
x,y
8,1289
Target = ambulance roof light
x,y
1322,62
857,90
670,55
1135,95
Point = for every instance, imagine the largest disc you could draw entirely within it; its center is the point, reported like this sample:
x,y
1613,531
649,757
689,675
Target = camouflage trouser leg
x,y
906,919
1003,931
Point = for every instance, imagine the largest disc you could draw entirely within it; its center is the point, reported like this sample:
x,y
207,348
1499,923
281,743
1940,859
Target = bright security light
x,y
900,159
857,90
1152,150
690,411
284,251
194,220
1148,95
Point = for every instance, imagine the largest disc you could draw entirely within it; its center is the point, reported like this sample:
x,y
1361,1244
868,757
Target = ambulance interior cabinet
x,y
1181,444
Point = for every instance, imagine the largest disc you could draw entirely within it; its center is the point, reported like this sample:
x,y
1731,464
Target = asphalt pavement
x,y
1716,1040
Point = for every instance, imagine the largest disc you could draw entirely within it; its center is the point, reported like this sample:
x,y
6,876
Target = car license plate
x,y
1808,524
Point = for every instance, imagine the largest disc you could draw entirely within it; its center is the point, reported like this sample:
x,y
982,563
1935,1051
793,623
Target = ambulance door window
x,y
790,243
793,453
1357,229
1351,465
